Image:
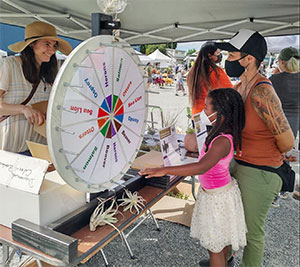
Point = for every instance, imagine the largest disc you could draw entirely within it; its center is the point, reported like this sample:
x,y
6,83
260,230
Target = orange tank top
x,y
217,80
258,143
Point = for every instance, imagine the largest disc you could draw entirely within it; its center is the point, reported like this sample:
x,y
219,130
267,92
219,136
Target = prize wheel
x,y
96,114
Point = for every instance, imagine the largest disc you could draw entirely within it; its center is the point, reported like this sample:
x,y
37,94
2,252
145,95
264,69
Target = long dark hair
x,y
47,72
229,105
199,82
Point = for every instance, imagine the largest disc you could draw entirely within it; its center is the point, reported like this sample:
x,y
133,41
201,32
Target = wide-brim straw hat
x,y
40,30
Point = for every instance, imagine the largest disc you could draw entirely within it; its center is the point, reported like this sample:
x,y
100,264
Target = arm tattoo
x,y
268,107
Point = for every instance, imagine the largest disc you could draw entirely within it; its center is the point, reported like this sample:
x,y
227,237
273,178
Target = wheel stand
x,y
125,236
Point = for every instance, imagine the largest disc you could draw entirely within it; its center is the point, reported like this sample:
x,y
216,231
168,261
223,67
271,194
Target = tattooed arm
x,y
268,106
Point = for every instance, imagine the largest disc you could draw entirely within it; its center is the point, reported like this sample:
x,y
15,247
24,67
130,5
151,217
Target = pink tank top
x,y
218,175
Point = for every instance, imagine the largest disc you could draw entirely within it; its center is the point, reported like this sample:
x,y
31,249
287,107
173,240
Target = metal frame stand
x,y
7,257
104,258
161,115
125,236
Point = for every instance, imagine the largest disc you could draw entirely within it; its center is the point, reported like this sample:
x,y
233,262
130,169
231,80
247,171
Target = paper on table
x,y
22,172
39,151
42,107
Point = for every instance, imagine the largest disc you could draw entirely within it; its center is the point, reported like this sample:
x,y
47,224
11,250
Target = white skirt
x,y
218,218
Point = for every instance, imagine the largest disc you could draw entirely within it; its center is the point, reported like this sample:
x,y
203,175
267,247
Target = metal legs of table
x,y
193,187
6,256
155,221
150,214
104,257
127,246
124,236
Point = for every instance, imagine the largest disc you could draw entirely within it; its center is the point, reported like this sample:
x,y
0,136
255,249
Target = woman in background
x,y
287,87
204,76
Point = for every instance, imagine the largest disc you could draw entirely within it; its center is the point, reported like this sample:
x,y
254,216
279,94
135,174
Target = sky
x,y
274,43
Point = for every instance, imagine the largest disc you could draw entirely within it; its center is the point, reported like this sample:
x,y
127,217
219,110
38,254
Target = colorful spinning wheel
x,y
96,114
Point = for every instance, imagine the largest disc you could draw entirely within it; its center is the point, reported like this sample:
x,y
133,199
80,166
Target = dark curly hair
x,y
229,106
47,72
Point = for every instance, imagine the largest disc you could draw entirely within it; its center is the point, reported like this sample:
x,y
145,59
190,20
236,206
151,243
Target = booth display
x,y
96,114
95,123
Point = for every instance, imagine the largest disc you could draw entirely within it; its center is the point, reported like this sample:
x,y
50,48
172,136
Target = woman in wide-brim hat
x,y
35,67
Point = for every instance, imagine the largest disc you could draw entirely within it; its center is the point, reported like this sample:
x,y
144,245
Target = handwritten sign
x,y
22,172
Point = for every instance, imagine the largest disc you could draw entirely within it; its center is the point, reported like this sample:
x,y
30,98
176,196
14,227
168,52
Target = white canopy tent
x,y
160,58
3,53
275,44
145,59
159,21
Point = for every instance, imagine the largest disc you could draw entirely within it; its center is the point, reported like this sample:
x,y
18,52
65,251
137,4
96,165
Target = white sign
x,y
22,172
169,146
201,131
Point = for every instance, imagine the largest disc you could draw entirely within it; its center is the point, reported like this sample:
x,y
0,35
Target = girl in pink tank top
x,y
218,217
218,175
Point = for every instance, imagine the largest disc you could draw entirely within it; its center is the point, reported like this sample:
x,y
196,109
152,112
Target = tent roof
x,y
159,56
3,53
159,21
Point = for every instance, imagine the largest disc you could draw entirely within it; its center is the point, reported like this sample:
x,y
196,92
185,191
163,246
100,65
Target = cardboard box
x,y
42,107
152,159
55,200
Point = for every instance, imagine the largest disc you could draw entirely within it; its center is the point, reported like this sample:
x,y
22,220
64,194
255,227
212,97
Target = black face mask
x,y
219,59
234,68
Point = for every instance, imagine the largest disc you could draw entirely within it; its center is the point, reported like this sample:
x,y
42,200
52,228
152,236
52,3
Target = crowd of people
x,y
252,123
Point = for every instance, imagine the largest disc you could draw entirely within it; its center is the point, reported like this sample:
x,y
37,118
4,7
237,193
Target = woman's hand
x,y
33,116
289,158
153,172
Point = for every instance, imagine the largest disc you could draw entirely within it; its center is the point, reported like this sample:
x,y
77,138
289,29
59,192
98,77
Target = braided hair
x,y
229,106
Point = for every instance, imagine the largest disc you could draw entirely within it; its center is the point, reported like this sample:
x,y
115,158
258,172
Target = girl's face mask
x,y
205,119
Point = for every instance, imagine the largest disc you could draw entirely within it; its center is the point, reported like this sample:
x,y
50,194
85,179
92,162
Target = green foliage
x,y
190,51
190,130
150,48
179,195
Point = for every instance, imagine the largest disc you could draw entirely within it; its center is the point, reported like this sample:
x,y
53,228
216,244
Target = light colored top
x,y
15,130
258,142
217,176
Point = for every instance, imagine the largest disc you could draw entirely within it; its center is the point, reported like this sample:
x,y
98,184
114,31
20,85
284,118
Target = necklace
x,y
245,92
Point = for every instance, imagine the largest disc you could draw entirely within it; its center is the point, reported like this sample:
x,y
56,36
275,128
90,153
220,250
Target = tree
x,y
150,48
190,51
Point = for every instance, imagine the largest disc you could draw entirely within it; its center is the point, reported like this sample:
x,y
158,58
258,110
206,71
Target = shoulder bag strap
x,y
263,82
33,90
261,167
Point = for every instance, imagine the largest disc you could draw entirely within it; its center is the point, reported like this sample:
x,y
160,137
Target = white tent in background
x,y
159,57
145,59
276,43
3,53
